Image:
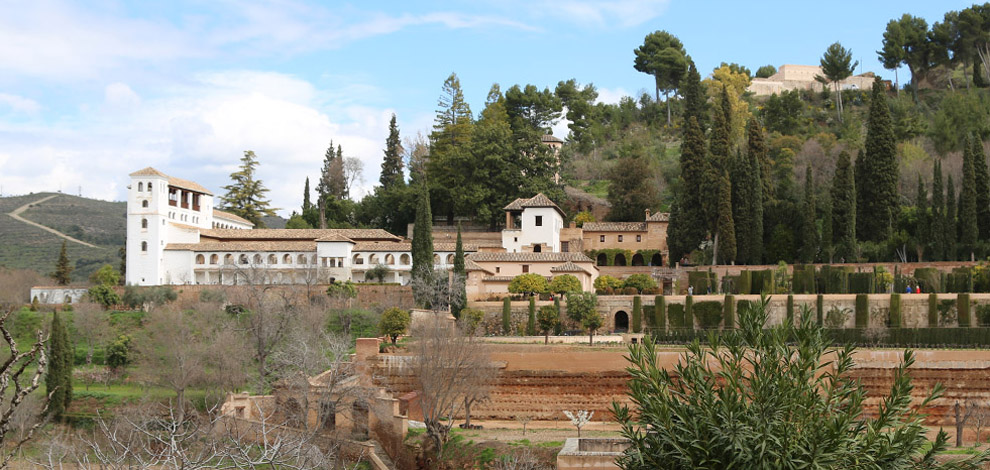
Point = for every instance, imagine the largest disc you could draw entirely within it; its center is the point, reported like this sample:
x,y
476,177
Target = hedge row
x,y
892,337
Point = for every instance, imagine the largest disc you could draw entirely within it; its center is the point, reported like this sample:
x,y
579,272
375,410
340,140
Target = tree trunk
x,y
666,97
590,336
467,413
838,100
546,338
897,83
959,426
715,249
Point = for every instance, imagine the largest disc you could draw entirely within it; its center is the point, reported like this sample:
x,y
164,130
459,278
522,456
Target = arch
x,y
656,260
243,259
450,259
144,203
359,415
537,248
312,259
287,259
621,324
436,259
140,187
200,259
404,259
273,259
390,259
602,259
144,246
637,260
358,259
214,258
373,259
67,300
257,259
144,223
619,260
301,259
149,186
328,412
228,259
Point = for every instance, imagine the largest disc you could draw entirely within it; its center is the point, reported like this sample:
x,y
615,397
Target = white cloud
x,y
120,96
591,13
19,103
611,96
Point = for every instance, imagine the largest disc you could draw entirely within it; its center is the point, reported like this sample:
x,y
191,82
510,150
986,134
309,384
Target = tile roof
x,y
659,217
299,234
550,138
515,205
244,246
568,267
472,266
183,226
553,257
219,214
540,200
497,278
407,246
173,181
614,226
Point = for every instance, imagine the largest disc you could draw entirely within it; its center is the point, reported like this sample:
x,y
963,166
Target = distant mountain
x,y
99,224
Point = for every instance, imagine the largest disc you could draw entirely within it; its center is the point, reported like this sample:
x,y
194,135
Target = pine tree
x,y
876,172
63,269
844,209
695,99
726,231
969,231
461,272
422,242
809,225
938,214
452,123
58,381
757,148
246,195
982,188
687,221
951,233
332,185
392,165
923,232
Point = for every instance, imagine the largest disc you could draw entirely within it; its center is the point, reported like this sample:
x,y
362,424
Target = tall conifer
x,y
306,205
969,230
938,214
844,209
63,269
726,231
58,381
422,242
459,272
828,249
695,98
923,232
687,221
982,188
757,148
809,225
245,195
392,164
876,172
951,229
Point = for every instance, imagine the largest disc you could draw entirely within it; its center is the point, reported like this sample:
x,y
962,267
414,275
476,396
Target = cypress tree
x,y
687,221
637,315
923,232
695,99
876,172
531,322
969,231
63,270
726,231
720,146
758,202
307,204
392,165
58,381
982,188
951,235
938,214
422,242
757,148
828,250
506,316
742,207
844,209
809,226
459,272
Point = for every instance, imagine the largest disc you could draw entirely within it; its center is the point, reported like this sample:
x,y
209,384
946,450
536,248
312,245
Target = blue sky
x,y
90,91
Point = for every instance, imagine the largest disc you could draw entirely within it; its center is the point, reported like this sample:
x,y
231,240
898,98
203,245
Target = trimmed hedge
x,y
930,279
895,320
506,316
637,315
836,279
933,310
708,314
762,281
896,337
862,311
689,312
820,309
862,283
676,314
744,284
703,281
729,311
660,313
963,307
803,279
790,308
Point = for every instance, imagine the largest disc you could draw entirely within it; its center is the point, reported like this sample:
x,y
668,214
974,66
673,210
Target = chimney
x,y
647,214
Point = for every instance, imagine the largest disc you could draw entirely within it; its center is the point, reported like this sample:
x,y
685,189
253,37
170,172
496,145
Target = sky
x,y
92,91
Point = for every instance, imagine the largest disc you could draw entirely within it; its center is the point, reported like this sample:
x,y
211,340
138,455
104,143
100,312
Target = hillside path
x,y
16,214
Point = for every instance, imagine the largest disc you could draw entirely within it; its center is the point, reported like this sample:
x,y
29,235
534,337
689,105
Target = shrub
x,y
895,320
104,295
565,283
471,319
394,322
640,282
528,283
138,297
804,279
930,279
703,282
932,310
836,317
862,283
630,291
660,313
836,279
506,316
118,352
962,306
607,282
729,311
762,281
212,296
708,313
341,290
862,311
820,309
637,315
983,315
947,314
744,283
675,312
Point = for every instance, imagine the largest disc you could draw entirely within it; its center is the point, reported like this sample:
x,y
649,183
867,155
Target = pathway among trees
x,y
16,214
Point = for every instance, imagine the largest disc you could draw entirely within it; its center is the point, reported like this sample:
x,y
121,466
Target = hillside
x,y
100,223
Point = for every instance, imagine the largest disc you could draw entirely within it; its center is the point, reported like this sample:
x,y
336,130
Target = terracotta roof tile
x,y
497,278
472,266
219,214
550,138
173,181
248,246
568,267
515,205
552,257
614,226
407,246
300,234
659,217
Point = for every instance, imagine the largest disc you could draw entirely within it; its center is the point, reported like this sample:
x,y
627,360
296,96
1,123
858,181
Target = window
x,y
144,203
639,238
537,248
601,238
525,268
144,223
620,238
144,246
497,269
200,259
140,187
564,246
149,186
539,221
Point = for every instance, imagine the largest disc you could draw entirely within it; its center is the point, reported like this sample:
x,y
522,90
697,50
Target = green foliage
x,y
342,290
896,320
470,319
632,190
58,378
729,311
963,305
862,283
662,55
212,296
660,313
703,282
803,279
459,271
422,242
762,281
637,315
765,71
564,283
605,282
611,254
836,317
63,270
583,217
708,313
506,316
531,319
675,313
877,173
983,315
548,317
139,297
106,275
640,282
862,311
391,174
820,309
104,295
844,209
118,352
529,283
245,195
790,308
394,322
687,223
933,310
667,431
583,308
930,279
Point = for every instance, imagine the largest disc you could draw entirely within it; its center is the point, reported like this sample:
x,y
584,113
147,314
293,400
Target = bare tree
x,y
353,173
92,328
520,460
267,320
174,352
17,382
446,368
524,421
416,153
439,289
17,284
980,414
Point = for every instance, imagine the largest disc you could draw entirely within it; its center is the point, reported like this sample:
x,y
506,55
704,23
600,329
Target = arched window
x,y
301,259
214,259
390,259
144,203
144,246
358,259
272,259
200,259
149,186
141,187
436,259
244,259
287,259
450,259
228,259
373,259
404,259
144,223
257,259
313,260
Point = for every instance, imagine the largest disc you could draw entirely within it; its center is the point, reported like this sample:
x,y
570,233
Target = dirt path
x,y
16,214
